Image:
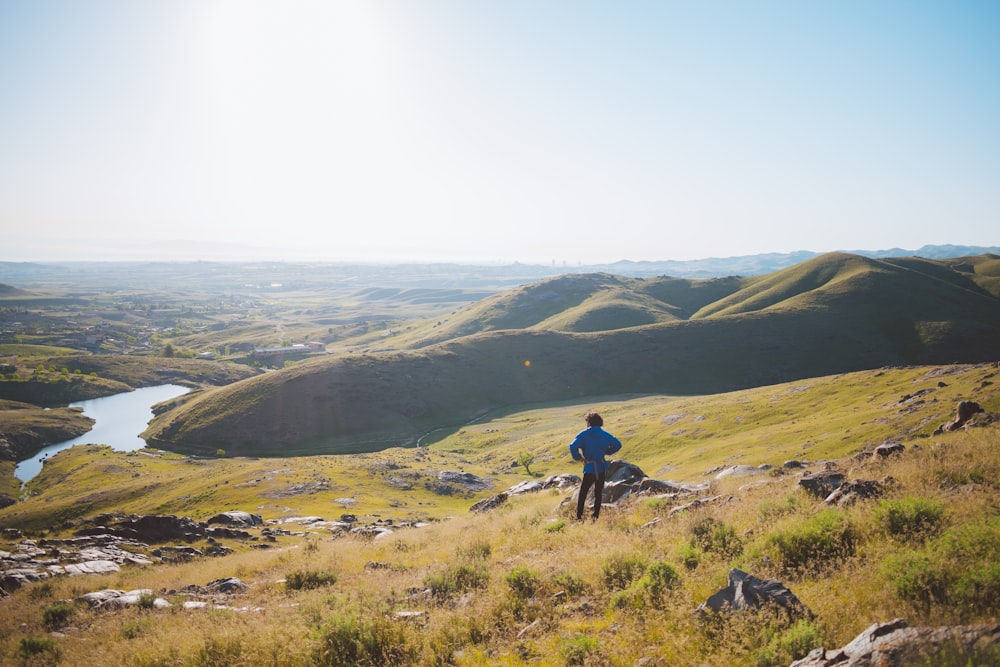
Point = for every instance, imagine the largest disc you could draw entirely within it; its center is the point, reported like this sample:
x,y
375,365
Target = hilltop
x,y
576,336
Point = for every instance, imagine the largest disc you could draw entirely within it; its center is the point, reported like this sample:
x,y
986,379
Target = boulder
x,y
623,471
115,599
657,486
746,591
527,486
236,519
821,484
887,449
488,504
965,411
895,644
854,490
465,479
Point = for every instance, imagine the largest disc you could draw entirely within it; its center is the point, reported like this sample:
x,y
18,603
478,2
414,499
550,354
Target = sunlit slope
x,y
864,314
579,303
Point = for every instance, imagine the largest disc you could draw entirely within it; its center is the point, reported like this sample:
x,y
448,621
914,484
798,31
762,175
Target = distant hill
x,y
11,291
592,335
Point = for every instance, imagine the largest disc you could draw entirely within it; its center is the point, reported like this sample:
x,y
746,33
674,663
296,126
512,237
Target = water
x,y
119,420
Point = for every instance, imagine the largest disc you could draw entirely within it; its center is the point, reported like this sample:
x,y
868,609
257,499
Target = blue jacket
x,y
593,444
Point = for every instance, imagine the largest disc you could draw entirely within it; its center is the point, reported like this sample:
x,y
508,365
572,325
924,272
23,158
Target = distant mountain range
x,y
755,265
590,335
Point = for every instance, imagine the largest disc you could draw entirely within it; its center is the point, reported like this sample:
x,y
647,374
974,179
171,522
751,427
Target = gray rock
x,y
854,490
822,484
888,449
527,486
746,591
491,503
895,644
623,471
236,519
465,479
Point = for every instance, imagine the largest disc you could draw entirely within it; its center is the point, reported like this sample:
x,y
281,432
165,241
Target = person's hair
x,y
594,419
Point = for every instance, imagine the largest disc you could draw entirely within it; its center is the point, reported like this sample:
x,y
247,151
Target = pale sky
x,y
495,131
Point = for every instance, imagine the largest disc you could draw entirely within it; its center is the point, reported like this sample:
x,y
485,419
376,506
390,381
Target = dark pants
x,y
590,480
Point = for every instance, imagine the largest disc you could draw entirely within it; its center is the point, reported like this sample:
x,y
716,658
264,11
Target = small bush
x,y
576,650
56,615
812,543
30,649
457,579
308,579
573,584
789,644
910,518
524,582
660,578
620,570
713,536
371,639
476,550
556,526
961,569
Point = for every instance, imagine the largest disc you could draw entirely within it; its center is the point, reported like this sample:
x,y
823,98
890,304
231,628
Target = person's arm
x,y
574,449
613,446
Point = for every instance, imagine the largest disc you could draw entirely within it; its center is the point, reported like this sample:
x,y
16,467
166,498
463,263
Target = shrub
x,y
371,639
961,569
57,614
620,570
475,550
573,584
713,536
789,644
576,650
911,517
309,579
30,648
457,579
771,510
812,543
524,582
660,578
556,526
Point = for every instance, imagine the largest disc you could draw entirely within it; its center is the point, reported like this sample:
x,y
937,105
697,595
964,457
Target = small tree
x,y
526,459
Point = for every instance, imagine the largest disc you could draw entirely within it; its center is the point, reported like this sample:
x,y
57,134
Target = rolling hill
x,y
596,335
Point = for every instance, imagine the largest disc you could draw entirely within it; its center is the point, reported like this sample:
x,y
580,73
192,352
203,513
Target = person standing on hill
x,y
591,445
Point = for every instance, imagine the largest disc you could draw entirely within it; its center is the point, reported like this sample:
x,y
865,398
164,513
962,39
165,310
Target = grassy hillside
x,y
527,585
834,314
682,438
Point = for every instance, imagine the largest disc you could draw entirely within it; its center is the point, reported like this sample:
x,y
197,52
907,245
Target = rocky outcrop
x,y
147,528
33,560
895,644
491,503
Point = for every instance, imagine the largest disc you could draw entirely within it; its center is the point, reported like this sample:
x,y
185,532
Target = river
x,y
118,421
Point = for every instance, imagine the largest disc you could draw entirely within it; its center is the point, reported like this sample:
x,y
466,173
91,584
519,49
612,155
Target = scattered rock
x,y
895,644
114,599
741,470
